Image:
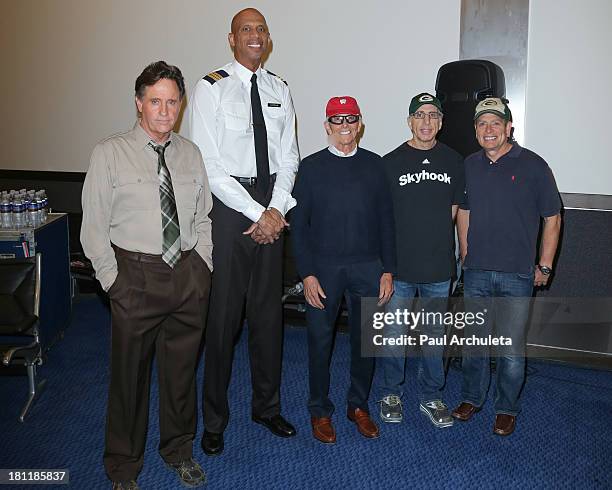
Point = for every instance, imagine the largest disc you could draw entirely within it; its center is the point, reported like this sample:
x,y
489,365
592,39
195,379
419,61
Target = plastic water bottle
x,y
18,214
45,205
26,215
32,214
6,210
39,210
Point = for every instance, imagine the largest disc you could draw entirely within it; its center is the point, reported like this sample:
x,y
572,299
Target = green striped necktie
x,y
171,231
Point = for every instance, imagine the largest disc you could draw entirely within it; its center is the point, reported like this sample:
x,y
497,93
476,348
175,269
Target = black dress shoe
x,y
276,424
212,444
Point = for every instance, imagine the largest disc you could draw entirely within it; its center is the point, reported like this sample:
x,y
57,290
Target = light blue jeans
x,y
430,376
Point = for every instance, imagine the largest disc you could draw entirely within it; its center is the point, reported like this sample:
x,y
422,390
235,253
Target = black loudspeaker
x,y
460,85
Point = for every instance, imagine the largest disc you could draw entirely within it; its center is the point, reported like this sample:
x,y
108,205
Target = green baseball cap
x,y
422,99
493,105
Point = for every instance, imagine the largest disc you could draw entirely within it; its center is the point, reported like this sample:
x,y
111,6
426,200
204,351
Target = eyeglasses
x,y
350,119
421,115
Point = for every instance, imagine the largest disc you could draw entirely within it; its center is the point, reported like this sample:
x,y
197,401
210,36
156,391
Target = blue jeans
x,y
430,376
507,317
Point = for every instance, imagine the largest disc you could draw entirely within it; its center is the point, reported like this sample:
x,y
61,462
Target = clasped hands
x,y
268,228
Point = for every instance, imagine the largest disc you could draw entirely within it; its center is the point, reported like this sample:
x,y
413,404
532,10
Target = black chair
x,y
19,315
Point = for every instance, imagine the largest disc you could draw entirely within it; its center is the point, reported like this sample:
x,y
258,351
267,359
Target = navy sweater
x,y
344,212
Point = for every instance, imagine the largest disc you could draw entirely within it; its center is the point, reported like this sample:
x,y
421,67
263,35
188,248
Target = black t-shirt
x,y
506,200
424,185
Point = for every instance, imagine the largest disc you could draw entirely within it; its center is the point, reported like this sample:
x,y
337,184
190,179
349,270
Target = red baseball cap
x,y
342,105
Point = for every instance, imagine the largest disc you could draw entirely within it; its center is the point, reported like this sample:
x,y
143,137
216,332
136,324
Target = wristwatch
x,y
545,270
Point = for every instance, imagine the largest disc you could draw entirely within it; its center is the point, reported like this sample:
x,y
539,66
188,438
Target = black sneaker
x,y
125,485
189,472
438,413
391,409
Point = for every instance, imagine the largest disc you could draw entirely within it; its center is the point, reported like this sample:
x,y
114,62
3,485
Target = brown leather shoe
x,y
464,411
504,424
323,430
365,425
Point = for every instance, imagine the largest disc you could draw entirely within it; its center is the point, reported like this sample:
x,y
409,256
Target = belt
x,y
248,181
149,258
251,181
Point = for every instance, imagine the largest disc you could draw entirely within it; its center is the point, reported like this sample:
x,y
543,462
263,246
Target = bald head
x,y
248,12
249,38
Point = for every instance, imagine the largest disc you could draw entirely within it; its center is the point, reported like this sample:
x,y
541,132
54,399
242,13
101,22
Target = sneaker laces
x,y
391,400
188,469
437,405
126,485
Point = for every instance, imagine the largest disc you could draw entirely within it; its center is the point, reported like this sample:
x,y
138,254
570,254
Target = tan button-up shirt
x,y
121,202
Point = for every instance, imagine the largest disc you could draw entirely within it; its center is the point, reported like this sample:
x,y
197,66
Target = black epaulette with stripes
x,y
215,76
275,75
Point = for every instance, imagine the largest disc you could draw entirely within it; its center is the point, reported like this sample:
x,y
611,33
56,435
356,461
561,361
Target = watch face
x,y
545,270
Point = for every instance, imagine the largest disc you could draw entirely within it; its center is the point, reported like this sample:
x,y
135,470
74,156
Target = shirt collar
x,y
244,74
142,138
514,152
341,154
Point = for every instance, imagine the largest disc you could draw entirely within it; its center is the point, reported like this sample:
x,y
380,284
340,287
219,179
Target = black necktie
x,y
261,141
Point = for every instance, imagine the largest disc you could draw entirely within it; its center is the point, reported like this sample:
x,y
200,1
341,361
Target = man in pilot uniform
x,y
242,119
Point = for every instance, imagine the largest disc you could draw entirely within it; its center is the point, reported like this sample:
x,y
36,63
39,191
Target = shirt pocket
x,y
136,191
274,116
187,191
236,116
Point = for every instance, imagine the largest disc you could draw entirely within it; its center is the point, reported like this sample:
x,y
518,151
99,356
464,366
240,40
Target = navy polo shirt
x,y
506,200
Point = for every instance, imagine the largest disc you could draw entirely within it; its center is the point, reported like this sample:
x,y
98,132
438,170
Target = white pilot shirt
x,y
221,125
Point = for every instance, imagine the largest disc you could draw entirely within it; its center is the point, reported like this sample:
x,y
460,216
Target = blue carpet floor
x,y
563,437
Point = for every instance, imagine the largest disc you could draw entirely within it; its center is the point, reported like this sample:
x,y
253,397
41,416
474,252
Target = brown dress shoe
x,y
464,411
323,430
365,425
504,424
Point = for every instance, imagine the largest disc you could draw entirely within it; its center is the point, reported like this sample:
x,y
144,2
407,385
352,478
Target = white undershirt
x,y
341,154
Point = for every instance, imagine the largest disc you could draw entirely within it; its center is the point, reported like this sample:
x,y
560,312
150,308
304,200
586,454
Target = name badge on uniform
x,y
273,104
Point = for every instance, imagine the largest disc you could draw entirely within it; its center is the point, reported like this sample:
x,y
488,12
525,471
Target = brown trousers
x,y
156,310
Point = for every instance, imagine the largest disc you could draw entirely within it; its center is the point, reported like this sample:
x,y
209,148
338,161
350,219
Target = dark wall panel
x,y
584,263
